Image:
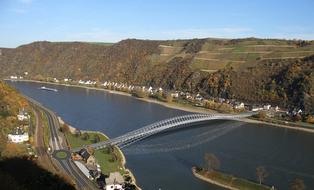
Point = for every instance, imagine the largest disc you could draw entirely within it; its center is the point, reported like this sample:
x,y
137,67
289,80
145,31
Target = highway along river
x,y
164,161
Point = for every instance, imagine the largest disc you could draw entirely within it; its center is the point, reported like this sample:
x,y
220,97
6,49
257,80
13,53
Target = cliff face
x,y
254,70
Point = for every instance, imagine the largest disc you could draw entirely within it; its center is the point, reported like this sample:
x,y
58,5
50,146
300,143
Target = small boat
x,y
48,89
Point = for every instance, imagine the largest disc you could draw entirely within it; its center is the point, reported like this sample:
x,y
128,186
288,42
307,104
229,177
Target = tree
x,y
85,136
169,98
90,150
211,162
261,115
65,128
96,138
77,133
297,184
297,117
310,119
261,174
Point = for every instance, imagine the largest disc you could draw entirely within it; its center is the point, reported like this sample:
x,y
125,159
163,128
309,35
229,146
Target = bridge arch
x,y
161,126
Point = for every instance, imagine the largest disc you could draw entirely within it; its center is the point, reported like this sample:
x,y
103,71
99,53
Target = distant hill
x,y
253,70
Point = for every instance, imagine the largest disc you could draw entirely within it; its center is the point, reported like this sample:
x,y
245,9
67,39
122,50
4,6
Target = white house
x,y
198,97
114,187
239,105
267,107
13,77
256,109
175,94
114,181
22,116
18,136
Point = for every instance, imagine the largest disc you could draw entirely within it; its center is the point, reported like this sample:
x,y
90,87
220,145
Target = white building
x,y
256,108
114,181
267,107
239,105
114,187
22,116
175,95
13,77
199,97
18,136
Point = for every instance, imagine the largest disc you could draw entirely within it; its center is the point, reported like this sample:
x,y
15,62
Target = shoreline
x,y
169,105
228,181
199,176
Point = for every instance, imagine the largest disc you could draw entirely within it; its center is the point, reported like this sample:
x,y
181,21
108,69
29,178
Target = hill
x,y
253,70
12,156
10,103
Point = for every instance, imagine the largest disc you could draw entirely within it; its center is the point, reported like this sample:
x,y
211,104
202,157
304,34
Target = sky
x,y
25,21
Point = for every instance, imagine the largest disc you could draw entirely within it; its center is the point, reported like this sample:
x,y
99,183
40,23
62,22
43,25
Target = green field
x,y
109,161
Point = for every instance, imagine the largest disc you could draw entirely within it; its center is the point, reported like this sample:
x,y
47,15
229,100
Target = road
x,y
57,143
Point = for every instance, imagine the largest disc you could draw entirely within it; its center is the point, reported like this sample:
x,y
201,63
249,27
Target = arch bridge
x,y
164,125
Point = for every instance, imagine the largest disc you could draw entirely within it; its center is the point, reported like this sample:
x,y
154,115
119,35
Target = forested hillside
x,y
253,70
10,103
13,157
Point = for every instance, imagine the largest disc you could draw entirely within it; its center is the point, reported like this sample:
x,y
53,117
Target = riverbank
x,y
173,105
104,159
227,181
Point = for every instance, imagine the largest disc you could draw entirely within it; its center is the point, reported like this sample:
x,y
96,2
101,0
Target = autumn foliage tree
x,y
297,184
211,162
261,174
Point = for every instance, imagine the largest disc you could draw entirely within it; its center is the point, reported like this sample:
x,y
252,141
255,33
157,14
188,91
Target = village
x,y
219,104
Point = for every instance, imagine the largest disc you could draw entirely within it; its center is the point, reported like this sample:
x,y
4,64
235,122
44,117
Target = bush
x,y
96,138
85,136
139,93
261,115
65,128
310,119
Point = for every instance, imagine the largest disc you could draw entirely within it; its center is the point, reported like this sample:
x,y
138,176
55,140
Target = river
x,y
164,161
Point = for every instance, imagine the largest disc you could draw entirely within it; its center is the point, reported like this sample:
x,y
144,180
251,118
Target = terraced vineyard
x,y
243,54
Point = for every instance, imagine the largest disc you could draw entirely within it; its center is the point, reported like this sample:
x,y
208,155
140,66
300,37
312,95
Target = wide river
x,y
164,161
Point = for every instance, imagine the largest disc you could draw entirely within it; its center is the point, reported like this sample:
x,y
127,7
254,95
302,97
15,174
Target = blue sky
x,y
25,21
